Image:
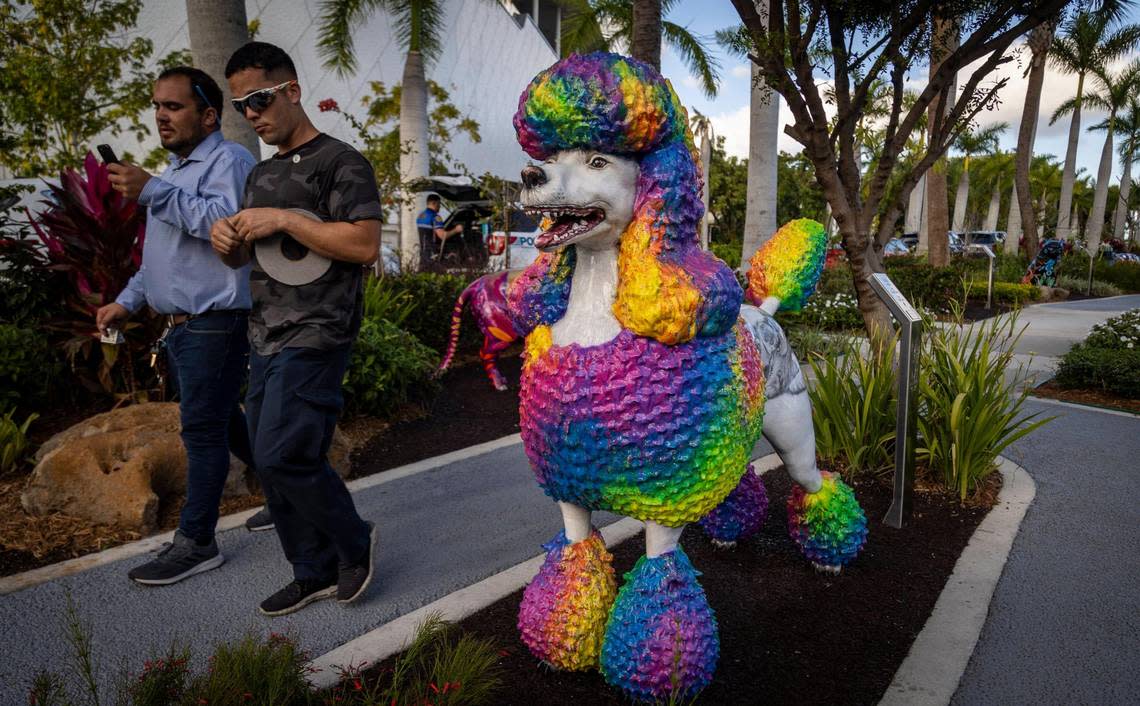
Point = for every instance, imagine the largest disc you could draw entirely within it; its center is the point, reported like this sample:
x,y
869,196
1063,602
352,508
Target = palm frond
x,y
334,33
581,31
1064,109
735,40
419,25
694,52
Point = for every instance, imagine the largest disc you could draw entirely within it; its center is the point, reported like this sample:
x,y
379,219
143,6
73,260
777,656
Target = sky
x,y
729,110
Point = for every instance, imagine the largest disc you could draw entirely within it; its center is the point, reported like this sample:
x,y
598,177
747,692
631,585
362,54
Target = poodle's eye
x,y
598,162
549,160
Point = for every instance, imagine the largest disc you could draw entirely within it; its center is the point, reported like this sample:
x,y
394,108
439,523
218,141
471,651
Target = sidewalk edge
x,y
938,658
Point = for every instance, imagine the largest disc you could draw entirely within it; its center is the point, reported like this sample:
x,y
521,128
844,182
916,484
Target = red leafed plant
x,y
94,238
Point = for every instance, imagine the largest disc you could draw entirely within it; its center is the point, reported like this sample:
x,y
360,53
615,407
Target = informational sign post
x,y
910,338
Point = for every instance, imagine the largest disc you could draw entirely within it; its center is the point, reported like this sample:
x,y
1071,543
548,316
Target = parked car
x,y
895,247
1125,257
911,240
985,237
957,246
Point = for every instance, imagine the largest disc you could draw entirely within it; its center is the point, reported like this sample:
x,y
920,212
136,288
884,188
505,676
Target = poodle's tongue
x,y
569,226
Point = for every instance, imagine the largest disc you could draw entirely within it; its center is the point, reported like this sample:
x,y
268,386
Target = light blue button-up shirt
x,y
180,271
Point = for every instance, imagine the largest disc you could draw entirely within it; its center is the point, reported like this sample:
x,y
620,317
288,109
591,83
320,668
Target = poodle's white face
x,y
588,196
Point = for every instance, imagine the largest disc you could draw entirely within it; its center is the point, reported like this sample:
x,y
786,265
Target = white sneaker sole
x,y
260,528
311,598
213,563
371,567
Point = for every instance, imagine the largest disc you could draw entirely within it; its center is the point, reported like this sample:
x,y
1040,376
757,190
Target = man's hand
x,y
224,238
127,179
257,223
109,315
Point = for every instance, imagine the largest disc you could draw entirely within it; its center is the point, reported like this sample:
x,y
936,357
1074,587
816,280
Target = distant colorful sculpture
x,y
487,296
1042,271
643,385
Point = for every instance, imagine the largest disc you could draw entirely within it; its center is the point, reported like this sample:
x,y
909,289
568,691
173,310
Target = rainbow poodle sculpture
x,y
643,388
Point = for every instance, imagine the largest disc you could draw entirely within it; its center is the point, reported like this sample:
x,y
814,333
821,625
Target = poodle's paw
x,y
661,639
563,613
740,515
828,525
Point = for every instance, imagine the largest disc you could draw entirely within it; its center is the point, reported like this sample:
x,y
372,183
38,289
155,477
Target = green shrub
x,y
1080,285
14,444
1125,275
829,312
1005,292
271,671
922,284
1114,370
968,411
433,300
389,367
27,366
808,341
728,252
836,280
1121,332
385,302
853,408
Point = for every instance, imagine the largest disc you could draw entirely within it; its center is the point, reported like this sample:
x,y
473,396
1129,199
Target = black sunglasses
x,y
260,99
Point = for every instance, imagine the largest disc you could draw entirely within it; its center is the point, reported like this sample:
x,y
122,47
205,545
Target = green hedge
x,y
1006,292
1125,275
27,367
389,367
433,296
1112,369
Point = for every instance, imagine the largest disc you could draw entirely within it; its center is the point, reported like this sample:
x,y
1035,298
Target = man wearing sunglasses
x,y
301,335
205,303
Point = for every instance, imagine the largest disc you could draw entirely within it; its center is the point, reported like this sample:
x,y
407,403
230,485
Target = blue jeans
x,y
292,405
208,357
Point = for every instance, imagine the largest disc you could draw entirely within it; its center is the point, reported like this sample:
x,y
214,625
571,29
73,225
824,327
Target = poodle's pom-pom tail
x,y
788,266
828,525
563,614
741,514
661,640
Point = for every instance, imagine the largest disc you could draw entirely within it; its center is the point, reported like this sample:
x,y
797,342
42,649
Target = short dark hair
x,y
203,88
433,197
261,55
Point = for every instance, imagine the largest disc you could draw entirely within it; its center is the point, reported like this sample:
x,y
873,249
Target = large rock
x,y
117,467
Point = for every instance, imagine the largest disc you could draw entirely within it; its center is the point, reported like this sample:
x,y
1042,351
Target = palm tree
x,y
763,151
995,172
592,25
418,25
944,40
1128,126
1113,96
702,129
1087,45
1022,199
217,29
972,142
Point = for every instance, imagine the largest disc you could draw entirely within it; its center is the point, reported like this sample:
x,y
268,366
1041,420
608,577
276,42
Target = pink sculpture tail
x,y
456,317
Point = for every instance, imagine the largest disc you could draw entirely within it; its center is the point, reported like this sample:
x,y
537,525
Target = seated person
x,y
433,236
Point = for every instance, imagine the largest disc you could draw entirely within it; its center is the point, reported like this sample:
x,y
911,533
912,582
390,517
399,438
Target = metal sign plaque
x,y
890,294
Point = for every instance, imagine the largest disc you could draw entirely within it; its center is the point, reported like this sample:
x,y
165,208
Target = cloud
x,y
741,71
691,81
733,126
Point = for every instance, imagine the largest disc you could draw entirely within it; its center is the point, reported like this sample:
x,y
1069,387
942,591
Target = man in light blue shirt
x,y
205,303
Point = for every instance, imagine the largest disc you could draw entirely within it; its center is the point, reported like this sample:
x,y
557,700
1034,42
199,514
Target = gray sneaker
x,y
260,521
177,560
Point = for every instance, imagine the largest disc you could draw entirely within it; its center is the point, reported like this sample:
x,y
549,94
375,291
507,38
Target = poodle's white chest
x,y
589,319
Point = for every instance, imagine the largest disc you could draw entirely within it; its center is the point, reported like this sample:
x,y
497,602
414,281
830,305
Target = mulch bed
x,y
788,633
1095,398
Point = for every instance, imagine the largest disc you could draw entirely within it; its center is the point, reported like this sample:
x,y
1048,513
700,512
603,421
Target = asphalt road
x,y
1064,622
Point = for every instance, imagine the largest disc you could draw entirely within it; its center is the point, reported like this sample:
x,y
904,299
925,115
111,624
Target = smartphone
x,y
107,154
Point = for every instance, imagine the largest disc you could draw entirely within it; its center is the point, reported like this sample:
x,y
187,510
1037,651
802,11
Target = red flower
x,y
328,104
357,685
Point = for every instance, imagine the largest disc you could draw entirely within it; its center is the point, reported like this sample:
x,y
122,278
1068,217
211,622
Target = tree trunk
x,y
217,29
992,211
962,198
706,165
1064,226
864,263
414,162
1120,213
646,41
914,215
945,41
763,127
1013,227
1095,224
1039,41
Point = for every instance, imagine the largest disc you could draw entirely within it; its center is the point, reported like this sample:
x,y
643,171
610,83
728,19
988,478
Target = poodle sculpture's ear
x,y
786,269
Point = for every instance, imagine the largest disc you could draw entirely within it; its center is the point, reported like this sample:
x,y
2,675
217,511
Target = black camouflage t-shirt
x,y
332,180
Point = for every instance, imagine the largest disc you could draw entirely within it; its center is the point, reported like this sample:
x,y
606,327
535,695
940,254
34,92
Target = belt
x,y
173,320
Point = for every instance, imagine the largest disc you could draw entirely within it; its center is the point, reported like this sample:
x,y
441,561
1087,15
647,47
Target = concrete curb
x,y
1084,407
394,636
930,674
34,577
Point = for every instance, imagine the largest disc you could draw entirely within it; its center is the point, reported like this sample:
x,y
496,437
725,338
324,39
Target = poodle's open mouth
x,y
569,223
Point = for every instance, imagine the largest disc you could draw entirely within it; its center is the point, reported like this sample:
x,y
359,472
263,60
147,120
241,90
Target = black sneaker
x,y
177,560
352,580
260,521
296,596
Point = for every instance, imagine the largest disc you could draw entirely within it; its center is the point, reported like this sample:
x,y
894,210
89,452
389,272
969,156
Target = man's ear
x,y
211,118
293,90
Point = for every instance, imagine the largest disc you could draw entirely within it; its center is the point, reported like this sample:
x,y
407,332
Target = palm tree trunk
x,y
706,165
1064,226
414,162
646,41
1120,213
945,32
992,211
914,204
760,207
962,197
1013,227
217,29
1039,40
1095,224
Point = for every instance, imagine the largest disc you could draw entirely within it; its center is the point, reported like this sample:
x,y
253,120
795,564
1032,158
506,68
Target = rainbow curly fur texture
x,y
828,526
643,390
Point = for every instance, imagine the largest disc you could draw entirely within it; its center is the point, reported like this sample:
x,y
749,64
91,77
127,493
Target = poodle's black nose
x,y
533,176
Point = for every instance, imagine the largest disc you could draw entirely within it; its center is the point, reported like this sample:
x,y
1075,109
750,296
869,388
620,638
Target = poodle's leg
x,y
824,518
741,514
661,639
562,618
489,354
